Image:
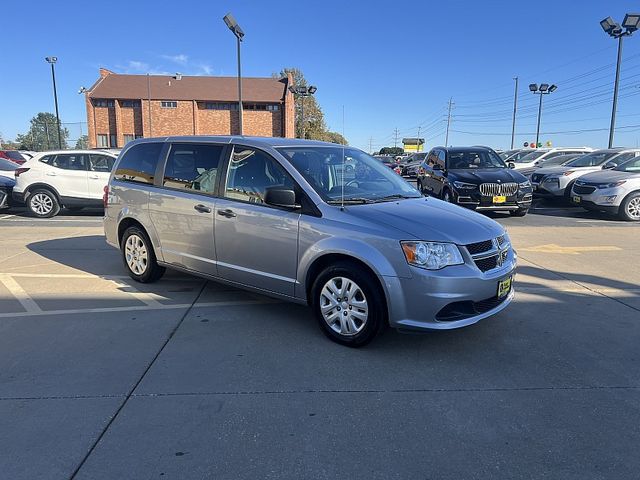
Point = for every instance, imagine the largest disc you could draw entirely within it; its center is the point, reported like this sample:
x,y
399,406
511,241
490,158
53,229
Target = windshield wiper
x,y
350,200
395,196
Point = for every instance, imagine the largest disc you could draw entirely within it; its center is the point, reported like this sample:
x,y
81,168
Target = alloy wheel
x,y
136,254
41,203
344,306
633,208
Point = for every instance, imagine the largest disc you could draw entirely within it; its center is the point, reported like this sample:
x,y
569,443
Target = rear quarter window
x,y
139,163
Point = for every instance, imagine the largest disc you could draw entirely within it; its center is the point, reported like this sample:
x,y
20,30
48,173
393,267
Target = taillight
x,y
19,171
105,196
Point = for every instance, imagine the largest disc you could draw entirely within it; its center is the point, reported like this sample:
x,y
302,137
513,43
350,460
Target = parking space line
x,y
20,294
4,217
160,306
144,297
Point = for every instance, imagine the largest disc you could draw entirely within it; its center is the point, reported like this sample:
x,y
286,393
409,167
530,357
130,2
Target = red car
x,y
13,155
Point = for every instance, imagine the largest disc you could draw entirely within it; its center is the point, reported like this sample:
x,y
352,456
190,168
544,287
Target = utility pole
x,y
446,140
370,145
418,141
395,136
515,109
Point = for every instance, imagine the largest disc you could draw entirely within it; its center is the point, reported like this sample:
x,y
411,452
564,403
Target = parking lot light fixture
x,y
230,21
303,91
544,89
52,61
533,87
613,29
553,88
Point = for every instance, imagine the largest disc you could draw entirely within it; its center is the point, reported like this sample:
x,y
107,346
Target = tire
x,y
630,208
138,256
446,195
368,310
43,203
521,212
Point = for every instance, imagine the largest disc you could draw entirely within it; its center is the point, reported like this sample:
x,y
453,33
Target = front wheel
x,y
138,256
43,203
348,304
630,208
521,212
446,196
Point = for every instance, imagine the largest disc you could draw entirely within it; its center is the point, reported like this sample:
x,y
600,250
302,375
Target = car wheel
x,y
43,203
630,208
521,212
348,304
138,256
446,196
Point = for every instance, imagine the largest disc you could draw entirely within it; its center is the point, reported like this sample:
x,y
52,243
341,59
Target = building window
x,y
220,106
139,136
103,103
261,106
128,138
130,103
103,140
113,141
273,108
169,104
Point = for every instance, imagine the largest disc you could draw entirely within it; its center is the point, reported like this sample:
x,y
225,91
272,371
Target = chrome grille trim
x,y
491,189
499,252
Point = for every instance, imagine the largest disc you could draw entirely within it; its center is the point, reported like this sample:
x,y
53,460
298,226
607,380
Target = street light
x,y
303,91
237,31
612,28
543,89
52,61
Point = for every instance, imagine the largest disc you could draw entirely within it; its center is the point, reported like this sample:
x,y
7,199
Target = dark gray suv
x,y
309,222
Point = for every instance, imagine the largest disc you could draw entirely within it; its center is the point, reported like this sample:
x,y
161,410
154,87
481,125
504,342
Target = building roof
x,y
167,87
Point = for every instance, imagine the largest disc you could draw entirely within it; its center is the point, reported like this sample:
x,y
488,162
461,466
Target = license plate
x,y
504,287
576,199
499,199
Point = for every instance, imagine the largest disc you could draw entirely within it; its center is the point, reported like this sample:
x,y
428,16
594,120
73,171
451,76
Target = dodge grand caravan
x,y
309,222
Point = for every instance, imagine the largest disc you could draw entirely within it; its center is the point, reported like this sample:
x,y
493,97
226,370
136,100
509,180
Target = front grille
x,y
583,189
537,177
500,240
487,263
479,247
491,189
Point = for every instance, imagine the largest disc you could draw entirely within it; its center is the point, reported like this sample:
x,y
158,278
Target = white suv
x,y
536,158
71,178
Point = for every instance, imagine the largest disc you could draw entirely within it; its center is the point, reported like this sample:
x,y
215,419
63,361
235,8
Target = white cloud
x,y
181,58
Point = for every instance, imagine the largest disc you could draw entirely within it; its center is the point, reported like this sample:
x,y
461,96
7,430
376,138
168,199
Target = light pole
x,y
303,91
52,61
237,31
543,89
515,109
630,24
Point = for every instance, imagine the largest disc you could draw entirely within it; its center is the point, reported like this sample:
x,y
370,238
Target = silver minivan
x,y
310,222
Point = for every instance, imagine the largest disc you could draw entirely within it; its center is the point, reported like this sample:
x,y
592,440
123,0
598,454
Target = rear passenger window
x,y
139,163
100,163
193,167
70,162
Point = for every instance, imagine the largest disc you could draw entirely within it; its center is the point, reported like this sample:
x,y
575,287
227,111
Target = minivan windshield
x,y
335,173
471,159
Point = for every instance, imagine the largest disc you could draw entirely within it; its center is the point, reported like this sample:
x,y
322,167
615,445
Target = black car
x,y
476,178
6,187
409,165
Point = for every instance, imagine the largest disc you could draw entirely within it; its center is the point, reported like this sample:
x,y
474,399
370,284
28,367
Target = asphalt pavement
x,y
104,378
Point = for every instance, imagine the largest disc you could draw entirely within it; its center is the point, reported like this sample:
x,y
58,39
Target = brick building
x,y
121,108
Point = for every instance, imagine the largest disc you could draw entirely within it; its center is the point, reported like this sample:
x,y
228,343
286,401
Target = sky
x,y
378,65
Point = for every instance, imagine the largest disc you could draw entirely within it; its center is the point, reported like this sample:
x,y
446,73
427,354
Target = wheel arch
x,y
42,186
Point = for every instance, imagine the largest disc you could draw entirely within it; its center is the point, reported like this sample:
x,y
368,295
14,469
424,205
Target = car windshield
x,y
507,154
560,160
7,166
338,173
632,166
529,157
591,159
472,159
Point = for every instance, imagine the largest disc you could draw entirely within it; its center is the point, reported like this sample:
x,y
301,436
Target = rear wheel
x,y
138,256
43,203
630,208
348,304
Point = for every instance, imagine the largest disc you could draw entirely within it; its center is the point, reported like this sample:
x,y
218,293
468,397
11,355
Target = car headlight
x,y
526,184
610,185
569,172
464,186
431,255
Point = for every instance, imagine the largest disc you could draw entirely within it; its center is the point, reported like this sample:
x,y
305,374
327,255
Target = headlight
x,y
569,172
430,255
464,186
610,185
526,184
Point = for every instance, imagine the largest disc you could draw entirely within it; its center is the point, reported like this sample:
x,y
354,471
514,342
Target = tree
x,y
82,143
391,151
315,127
43,134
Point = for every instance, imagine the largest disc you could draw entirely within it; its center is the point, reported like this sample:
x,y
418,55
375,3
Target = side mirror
x,y
511,165
609,166
281,197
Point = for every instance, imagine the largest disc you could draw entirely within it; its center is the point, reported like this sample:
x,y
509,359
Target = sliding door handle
x,y
226,213
202,208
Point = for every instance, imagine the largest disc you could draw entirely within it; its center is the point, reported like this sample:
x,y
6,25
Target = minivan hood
x,y
430,219
482,175
607,176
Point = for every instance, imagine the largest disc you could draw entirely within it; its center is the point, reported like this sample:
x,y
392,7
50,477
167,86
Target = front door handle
x,y
226,213
51,174
202,208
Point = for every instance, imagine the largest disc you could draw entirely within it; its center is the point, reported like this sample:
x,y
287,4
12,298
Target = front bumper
x,y
453,297
550,188
476,201
605,199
